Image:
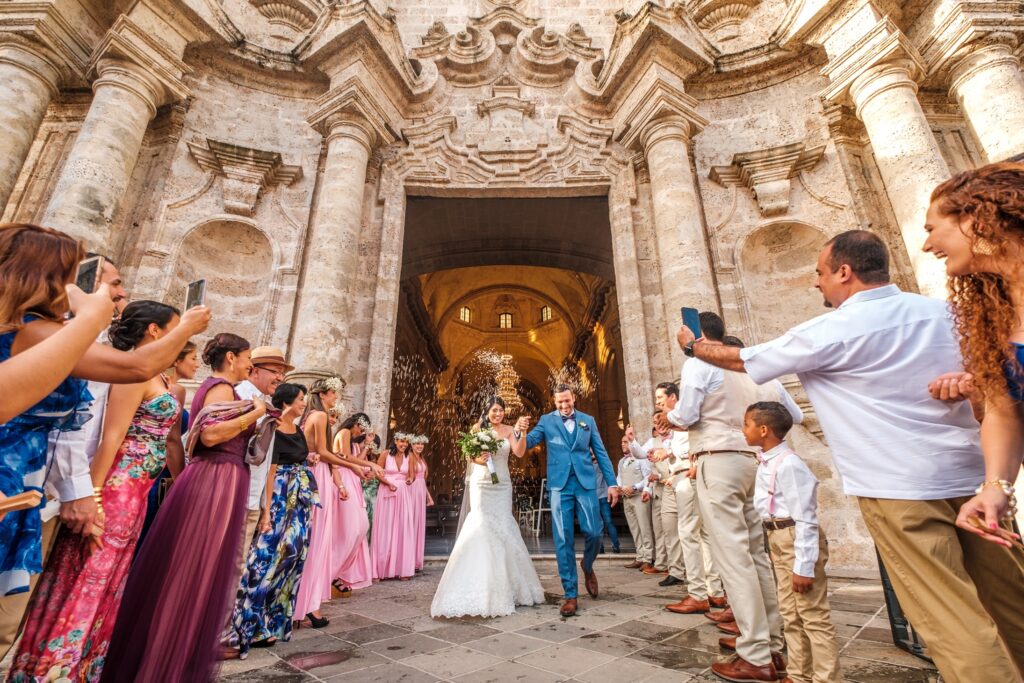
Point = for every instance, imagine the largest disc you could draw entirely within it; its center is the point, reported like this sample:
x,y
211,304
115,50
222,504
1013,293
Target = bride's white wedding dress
x,y
489,571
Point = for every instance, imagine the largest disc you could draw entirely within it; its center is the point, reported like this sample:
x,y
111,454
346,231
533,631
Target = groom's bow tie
x,y
568,418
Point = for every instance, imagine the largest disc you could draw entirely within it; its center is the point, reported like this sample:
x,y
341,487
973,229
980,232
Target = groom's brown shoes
x,y
590,581
568,608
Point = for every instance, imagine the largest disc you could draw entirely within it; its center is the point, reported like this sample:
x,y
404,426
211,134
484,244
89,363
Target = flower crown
x,y
402,436
418,438
363,424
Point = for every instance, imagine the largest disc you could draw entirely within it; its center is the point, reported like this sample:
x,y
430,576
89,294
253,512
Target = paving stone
x,y
453,661
644,630
612,643
507,645
369,634
328,664
556,631
509,672
864,671
406,645
388,673
278,673
678,658
462,632
564,659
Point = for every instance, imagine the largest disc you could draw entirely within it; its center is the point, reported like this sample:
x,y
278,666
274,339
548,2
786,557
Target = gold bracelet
x,y
244,421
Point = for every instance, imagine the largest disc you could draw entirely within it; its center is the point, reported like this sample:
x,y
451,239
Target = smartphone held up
x,y
195,294
691,319
88,276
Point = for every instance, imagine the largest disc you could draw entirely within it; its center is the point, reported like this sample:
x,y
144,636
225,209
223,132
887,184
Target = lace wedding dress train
x,y
489,571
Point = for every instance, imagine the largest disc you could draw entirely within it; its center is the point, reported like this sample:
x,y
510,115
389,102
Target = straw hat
x,y
270,355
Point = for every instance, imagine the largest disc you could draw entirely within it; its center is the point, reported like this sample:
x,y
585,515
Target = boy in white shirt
x,y
786,497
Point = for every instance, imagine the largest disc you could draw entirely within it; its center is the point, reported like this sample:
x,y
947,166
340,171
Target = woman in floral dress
x,y
270,582
72,612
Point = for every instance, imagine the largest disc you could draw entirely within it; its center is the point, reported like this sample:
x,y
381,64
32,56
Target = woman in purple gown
x,y
179,591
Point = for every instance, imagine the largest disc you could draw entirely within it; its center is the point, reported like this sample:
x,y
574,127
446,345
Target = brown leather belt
x,y
776,524
700,453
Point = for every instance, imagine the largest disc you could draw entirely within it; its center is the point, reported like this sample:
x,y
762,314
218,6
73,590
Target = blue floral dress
x,y
23,468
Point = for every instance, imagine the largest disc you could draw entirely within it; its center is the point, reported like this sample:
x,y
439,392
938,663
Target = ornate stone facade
x,y
275,148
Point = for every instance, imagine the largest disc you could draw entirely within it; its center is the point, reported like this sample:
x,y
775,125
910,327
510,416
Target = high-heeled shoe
x,y
343,590
318,622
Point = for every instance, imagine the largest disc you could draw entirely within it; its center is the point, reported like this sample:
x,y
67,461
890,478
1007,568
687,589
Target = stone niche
x,y
775,258
237,261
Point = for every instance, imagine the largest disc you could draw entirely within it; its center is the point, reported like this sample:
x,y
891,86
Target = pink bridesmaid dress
x,y
393,547
322,557
350,542
419,510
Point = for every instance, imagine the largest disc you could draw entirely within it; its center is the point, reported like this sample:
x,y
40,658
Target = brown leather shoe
x,y
740,670
635,564
568,608
590,581
779,662
719,617
651,570
689,605
644,567
730,627
720,602
727,643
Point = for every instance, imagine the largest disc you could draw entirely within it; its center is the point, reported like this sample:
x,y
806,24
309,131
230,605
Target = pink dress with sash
x,y
393,547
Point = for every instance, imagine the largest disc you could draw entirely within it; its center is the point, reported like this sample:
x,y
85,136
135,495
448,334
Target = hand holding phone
x,y
691,318
88,276
195,294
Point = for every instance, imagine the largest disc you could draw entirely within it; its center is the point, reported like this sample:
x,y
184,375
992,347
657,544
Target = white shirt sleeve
x,y
645,470
799,489
639,452
73,451
787,400
694,386
792,353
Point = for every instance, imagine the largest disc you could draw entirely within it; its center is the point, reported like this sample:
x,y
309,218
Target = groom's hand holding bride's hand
x,y
522,424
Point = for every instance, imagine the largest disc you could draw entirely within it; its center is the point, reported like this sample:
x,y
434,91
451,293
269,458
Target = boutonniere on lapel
x,y
583,425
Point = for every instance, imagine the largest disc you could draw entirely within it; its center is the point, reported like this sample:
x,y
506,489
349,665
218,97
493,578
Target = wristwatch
x,y
688,349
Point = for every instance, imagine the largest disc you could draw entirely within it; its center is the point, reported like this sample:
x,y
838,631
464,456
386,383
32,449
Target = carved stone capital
x,y
155,62
32,57
969,26
246,172
297,15
658,107
767,173
350,109
981,56
882,45
42,27
114,72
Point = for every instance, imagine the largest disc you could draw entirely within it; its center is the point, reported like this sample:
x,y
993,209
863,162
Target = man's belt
x,y
776,524
728,450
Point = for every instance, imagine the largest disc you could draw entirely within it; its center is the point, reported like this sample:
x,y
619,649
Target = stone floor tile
x,y
369,634
864,671
677,658
564,659
342,622
257,659
321,642
423,623
327,664
507,645
278,673
385,610
406,645
875,634
878,652
612,643
453,661
644,630
387,673
557,631
624,670
524,616
680,622
705,639
509,672
457,632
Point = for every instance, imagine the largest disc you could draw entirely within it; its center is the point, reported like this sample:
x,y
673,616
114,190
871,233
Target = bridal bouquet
x,y
474,444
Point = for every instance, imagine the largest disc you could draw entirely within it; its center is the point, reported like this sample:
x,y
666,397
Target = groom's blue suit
x,y
572,483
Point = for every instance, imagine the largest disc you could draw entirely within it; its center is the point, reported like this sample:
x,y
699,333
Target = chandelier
x,y
507,379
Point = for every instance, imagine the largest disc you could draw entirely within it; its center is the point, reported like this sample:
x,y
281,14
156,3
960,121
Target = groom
x,y
570,436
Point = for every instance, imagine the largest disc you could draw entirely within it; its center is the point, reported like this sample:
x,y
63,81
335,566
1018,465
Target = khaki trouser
x,y
725,493
670,529
660,559
252,518
702,577
810,635
961,592
638,517
12,607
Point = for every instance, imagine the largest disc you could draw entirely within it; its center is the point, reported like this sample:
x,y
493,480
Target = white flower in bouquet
x,y
475,444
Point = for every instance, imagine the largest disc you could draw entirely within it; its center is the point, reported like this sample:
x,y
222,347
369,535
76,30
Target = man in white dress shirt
x,y
703,584
711,406
69,482
268,370
636,497
910,460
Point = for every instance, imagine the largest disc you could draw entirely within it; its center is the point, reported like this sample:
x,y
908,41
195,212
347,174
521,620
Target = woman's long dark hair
x,y
491,402
315,402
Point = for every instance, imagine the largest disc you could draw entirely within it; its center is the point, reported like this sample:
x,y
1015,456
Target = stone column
x,y
907,155
319,341
28,81
989,85
99,167
684,261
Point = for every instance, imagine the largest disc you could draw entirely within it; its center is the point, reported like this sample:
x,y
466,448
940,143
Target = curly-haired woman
x,y
976,224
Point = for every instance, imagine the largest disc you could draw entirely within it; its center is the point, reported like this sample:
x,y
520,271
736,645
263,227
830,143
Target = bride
x,y
489,571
